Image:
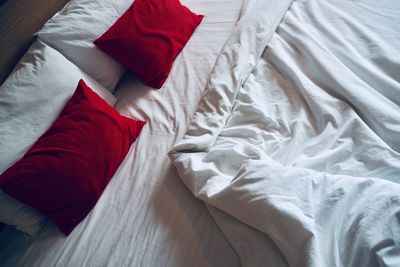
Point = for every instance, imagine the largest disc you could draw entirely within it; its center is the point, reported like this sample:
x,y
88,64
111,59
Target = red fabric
x,y
67,169
149,36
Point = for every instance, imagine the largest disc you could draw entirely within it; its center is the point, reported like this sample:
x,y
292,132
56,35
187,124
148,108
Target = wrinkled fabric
x,y
297,153
145,216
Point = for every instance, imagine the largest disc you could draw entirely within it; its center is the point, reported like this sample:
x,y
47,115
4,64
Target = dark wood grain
x,y
19,20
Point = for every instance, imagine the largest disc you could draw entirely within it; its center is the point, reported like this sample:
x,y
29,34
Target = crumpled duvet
x,y
316,218
295,147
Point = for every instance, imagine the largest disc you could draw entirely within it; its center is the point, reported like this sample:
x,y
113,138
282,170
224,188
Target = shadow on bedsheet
x,y
199,240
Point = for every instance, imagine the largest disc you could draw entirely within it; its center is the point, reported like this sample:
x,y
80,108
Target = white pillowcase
x,y
73,30
31,99
22,217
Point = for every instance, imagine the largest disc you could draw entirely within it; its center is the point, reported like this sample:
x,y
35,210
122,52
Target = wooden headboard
x,y
19,20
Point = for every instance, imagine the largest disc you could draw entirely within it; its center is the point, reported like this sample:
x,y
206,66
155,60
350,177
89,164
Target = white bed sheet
x,y
303,146
146,216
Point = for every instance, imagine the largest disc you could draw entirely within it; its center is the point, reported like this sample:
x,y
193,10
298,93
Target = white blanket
x,y
295,146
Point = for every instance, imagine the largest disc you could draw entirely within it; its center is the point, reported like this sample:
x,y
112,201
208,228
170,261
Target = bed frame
x,y
19,20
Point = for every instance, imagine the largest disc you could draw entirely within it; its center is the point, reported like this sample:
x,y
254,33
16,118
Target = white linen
x,y
146,216
73,30
301,153
30,101
20,216
315,218
34,95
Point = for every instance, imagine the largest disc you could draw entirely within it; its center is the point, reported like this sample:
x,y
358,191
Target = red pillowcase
x,y
67,169
149,36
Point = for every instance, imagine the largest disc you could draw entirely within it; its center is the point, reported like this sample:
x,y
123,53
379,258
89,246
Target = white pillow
x,y
31,99
73,30
22,217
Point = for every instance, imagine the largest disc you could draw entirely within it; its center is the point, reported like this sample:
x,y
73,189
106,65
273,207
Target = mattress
x,y
146,216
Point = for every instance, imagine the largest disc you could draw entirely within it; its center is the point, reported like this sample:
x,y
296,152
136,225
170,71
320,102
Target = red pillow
x,y
149,36
67,169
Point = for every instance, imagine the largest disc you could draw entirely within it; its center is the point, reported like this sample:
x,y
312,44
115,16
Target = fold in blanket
x,y
315,218
295,145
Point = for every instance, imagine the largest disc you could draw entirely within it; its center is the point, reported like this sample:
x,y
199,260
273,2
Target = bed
x,y
146,215
273,142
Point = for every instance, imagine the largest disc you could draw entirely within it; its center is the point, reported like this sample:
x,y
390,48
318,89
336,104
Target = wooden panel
x,y
19,20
